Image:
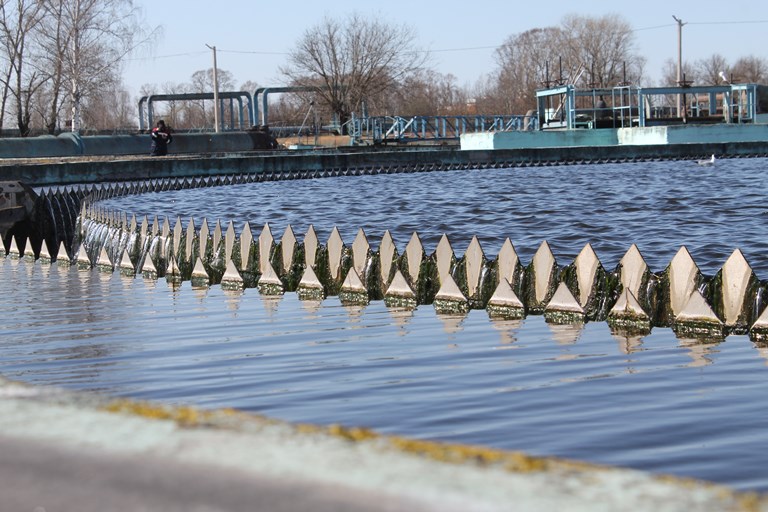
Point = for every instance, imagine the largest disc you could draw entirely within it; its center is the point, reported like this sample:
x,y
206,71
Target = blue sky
x,y
252,37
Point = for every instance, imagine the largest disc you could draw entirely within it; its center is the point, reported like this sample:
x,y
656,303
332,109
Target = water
x,y
657,403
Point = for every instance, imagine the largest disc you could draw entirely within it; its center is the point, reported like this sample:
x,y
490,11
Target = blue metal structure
x,y
382,129
565,107
146,120
265,92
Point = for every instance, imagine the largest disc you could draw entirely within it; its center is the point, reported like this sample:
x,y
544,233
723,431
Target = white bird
x,y
723,77
708,161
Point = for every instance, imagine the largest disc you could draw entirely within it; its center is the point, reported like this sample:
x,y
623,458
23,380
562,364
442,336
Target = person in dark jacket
x,y
161,137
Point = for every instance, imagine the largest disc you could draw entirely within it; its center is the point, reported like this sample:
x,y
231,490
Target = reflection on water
x,y
653,402
566,334
507,330
700,353
628,343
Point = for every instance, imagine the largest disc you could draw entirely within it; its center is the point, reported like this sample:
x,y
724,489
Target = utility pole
x,y
215,89
679,62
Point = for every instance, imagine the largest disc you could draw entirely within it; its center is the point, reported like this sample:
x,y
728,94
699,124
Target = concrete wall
x,y
651,135
538,139
694,134
69,144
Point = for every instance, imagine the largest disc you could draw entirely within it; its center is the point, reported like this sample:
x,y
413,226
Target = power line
x,y
462,49
654,27
744,22
171,56
254,52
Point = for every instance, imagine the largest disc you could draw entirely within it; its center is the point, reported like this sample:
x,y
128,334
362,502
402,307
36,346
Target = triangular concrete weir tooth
x,y
173,268
450,291
587,263
353,283
762,320
563,300
29,252
125,261
103,259
288,245
62,255
627,304
682,279
246,241
473,258
633,268
310,280
148,266
543,267
266,240
311,246
444,256
360,249
737,274
507,262
335,248
697,310
270,276
199,269
45,254
505,296
414,251
387,252
13,250
400,287
231,274
229,240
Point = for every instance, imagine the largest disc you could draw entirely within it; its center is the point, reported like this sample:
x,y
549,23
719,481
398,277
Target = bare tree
x,y
110,111
5,76
53,40
708,70
750,69
669,73
603,48
428,93
202,81
351,60
525,63
17,23
95,36
599,52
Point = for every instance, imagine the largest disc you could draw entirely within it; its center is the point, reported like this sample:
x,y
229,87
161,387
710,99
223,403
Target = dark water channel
x,y
658,402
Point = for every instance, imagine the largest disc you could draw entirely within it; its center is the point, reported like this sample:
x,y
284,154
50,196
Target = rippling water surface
x,y
657,403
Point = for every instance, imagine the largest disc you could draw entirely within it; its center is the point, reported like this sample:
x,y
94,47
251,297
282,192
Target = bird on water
x,y
708,161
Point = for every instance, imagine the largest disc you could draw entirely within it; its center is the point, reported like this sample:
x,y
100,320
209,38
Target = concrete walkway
x,y
62,451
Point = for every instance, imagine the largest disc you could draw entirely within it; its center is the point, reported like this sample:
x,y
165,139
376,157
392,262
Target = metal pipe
x,y
679,61
216,105
237,95
142,102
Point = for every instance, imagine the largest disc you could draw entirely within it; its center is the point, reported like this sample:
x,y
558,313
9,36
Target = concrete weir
x,y
630,297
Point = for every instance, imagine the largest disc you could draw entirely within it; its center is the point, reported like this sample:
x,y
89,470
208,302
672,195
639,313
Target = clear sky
x,y
252,37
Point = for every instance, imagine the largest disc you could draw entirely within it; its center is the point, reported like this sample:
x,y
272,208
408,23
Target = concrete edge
x,y
440,476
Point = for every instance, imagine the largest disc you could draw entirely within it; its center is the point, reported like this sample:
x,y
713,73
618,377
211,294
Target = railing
x,y
434,128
